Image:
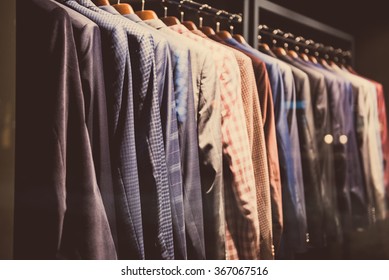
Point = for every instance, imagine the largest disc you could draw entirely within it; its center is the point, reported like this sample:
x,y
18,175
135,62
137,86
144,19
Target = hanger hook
x,y
240,18
200,17
232,29
180,9
278,32
202,7
231,25
143,5
218,22
181,2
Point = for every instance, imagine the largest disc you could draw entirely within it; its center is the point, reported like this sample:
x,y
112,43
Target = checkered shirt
x,y
151,146
242,226
255,129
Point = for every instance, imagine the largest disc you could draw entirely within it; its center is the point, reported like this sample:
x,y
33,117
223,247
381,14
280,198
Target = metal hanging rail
x,y
252,21
205,9
302,44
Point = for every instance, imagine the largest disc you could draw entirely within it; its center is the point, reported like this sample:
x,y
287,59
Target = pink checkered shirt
x,y
242,226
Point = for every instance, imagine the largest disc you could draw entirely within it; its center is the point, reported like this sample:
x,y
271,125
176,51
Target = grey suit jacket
x,y
59,212
89,51
208,116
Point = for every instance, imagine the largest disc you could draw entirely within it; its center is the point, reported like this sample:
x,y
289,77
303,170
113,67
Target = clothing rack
x,y
301,44
205,9
252,20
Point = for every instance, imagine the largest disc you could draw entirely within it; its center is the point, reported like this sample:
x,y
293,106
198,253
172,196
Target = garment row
x,y
137,140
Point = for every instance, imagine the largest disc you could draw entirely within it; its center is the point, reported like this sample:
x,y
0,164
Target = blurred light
x,y
343,139
328,139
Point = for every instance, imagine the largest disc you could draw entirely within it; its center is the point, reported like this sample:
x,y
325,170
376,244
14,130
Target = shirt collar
x,y
133,17
156,23
110,10
85,3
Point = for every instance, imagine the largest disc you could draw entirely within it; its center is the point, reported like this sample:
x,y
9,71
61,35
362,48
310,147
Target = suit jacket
x,y
383,131
59,212
384,134
167,102
267,109
290,166
333,153
315,190
369,143
242,231
211,244
184,96
297,242
150,126
118,82
167,99
89,52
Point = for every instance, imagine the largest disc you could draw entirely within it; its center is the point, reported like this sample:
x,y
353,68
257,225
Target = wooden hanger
x,y
293,54
123,8
334,65
239,38
169,20
304,57
264,46
268,51
313,59
324,63
190,25
279,51
101,2
351,70
224,34
207,30
146,14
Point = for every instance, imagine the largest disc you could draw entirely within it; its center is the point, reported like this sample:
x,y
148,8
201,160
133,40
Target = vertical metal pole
x,y
7,126
254,36
246,19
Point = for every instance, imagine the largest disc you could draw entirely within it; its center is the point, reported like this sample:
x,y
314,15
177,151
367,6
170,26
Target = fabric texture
x,y
167,103
155,194
293,199
207,107
369,143
89,52
59,212
242,230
